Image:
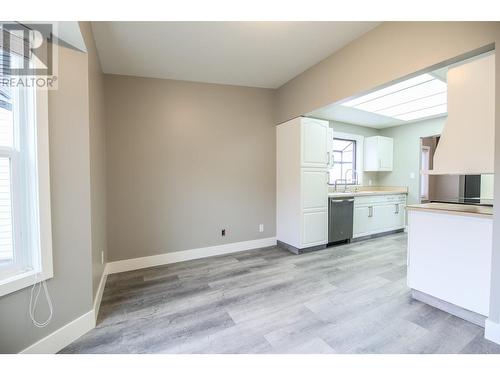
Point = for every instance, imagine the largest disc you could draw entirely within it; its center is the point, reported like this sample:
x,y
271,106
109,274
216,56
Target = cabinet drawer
x,y
379,199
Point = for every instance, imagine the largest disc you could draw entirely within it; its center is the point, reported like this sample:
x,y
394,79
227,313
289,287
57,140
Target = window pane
x,y
340,144
6,240
337,156
335,173
344,157
347,156
6,118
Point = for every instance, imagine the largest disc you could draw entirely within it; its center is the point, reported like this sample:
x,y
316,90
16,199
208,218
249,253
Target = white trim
x,y
492,331
64,336
43,173
20,281
98,296
68,333
180,256
42,258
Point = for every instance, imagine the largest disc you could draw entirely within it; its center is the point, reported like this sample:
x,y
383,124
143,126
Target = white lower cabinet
x,y
378,214
315,228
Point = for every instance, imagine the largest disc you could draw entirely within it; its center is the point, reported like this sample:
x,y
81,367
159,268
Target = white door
x,y
385,149
314,228
314,143
330,148
362,221
391,216
400,216
314,189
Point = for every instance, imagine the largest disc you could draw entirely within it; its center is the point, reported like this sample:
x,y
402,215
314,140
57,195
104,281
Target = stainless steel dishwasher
x,y
340,213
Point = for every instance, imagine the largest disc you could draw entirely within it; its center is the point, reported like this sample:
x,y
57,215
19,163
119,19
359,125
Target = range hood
x,y
467,142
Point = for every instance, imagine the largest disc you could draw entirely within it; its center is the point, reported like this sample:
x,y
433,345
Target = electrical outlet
x,y
102,257
261,228
412,175
223,232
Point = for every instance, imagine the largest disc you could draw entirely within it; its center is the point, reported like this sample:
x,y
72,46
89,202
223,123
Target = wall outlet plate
x,y
261,228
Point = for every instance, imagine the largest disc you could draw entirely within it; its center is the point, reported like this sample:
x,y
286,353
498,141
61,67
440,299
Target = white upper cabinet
x,y
314,146
378,154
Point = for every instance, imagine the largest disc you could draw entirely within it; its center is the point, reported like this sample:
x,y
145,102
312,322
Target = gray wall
x,y
71,286
407,154
97,140
184,160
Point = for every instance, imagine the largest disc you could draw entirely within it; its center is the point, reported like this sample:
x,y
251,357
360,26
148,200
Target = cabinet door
x,y
330,147
378,153
314,189
400,215
314,228
385,149
392,216
314,143
387,216
364,221
371,157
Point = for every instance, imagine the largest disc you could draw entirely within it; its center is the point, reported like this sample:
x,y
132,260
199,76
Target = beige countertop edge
x,y
365,193
484,212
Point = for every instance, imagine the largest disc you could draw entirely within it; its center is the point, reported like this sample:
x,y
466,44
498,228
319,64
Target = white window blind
x,y
6,236
6,145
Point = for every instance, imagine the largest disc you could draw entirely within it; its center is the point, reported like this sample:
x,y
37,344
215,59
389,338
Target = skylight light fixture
x,y
417,97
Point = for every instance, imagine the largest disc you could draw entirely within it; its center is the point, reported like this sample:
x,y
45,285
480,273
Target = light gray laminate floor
x,y
345,299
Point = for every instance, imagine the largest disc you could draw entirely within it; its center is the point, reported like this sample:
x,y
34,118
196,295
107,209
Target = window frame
x,y
40,242
353,162
360,139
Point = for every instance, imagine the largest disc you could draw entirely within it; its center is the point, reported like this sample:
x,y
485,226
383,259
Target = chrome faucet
x,y
354,178
336,183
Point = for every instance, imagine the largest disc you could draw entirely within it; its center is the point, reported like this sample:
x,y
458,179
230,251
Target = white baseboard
x,y
64,336
492,331
180,256
100,291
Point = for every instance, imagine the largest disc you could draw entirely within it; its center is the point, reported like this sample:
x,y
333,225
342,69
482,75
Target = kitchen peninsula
x,y
449,257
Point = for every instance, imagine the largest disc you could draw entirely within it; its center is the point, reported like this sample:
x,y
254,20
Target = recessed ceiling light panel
x,y
417,97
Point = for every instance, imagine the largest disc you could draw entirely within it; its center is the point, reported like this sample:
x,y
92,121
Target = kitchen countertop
x,y
363,192
456,209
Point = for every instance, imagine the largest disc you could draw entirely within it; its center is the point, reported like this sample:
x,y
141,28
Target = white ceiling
x,y
256,54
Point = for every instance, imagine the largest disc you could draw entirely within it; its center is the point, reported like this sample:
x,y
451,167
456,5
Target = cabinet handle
x,y
370,211
397,209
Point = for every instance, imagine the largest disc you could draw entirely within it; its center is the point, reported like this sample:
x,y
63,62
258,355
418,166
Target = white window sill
x,y
21,281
